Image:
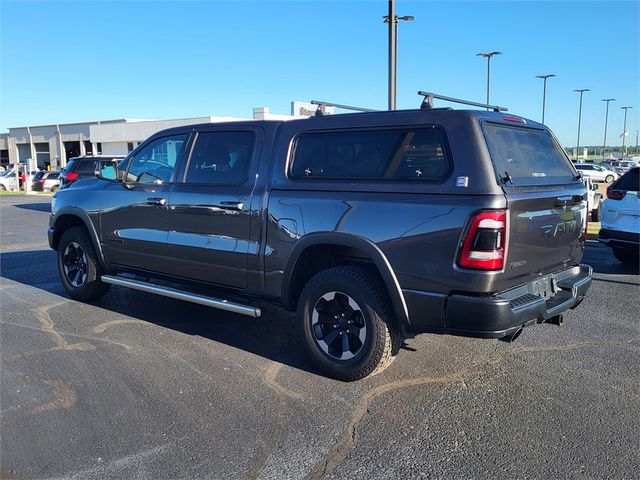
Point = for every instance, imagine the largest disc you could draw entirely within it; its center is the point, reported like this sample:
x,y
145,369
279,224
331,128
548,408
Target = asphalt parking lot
x,y
145,387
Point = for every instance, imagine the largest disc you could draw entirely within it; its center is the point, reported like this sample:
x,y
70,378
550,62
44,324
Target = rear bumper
x,y
619,239
506,312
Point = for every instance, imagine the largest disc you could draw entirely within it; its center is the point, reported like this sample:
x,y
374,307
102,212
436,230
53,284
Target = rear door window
x,y
416,154
86,166
221,158
526,156
69,166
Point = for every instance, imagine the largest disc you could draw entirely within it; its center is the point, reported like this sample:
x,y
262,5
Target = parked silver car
x,y
596,172
46,181
622,166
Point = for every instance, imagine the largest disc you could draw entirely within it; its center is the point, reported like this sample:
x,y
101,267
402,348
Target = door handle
x,y
156,201
230,205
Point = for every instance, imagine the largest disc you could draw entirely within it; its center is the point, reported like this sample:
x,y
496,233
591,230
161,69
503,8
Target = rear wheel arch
x,y
317,252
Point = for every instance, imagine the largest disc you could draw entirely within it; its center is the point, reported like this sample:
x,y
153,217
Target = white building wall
x,y
114,148
76,132
263,113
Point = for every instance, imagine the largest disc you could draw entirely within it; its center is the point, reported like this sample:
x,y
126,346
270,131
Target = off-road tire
x,y
382,338
92,287
626,255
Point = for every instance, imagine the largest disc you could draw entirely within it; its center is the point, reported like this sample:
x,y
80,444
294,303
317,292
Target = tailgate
x,y
546,200
545,231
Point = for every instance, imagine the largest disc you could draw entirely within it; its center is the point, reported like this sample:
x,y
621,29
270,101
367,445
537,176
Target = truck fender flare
x,y
82,215
354,241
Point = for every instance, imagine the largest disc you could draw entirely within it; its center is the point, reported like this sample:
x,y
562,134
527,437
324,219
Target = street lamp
x,y
544,91
488,56
580,91
624,129
606,119
393,94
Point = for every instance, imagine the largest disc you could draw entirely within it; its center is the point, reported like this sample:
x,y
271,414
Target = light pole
x,y
606,119
392,53
488,56
544,91
407,18
624,129
580,91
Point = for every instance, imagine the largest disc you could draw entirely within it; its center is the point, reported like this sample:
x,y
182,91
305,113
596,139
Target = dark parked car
x,y
46,181
372,226
79,168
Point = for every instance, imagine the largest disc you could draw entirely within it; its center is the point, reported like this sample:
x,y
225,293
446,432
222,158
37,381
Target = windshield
x,y
526,156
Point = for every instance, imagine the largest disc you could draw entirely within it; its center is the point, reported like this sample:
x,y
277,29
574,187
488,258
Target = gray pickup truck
x,y
372,226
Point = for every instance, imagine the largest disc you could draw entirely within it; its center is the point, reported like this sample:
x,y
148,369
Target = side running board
x,y
182,295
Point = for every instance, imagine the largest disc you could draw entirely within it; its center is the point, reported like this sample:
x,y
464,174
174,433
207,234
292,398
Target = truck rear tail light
x,y
484,244
41,181
72,176
615,194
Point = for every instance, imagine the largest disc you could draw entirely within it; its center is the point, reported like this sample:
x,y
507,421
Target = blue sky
x,y
83,60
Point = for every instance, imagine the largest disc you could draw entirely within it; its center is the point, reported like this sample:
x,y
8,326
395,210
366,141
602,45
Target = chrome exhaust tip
x,y
512,336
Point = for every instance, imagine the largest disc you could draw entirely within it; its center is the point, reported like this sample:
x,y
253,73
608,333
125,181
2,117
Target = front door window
x,y
156,162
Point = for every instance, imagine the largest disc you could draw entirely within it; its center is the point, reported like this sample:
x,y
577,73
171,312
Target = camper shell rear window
x,y
526,156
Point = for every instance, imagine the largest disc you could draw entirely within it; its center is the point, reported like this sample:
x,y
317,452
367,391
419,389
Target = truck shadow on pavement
x,y
599,256
38,207
273,336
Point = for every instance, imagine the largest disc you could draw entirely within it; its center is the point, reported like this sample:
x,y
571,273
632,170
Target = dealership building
x,y
52,145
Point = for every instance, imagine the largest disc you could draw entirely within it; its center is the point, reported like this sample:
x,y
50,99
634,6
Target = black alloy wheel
x,y
79,266
338,325
347,322
74,263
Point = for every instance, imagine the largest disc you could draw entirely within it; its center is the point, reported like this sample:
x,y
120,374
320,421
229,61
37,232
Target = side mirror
x,y
107,170
594,187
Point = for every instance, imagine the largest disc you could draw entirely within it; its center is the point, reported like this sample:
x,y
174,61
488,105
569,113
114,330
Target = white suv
x,y
8,180
596,172
621,217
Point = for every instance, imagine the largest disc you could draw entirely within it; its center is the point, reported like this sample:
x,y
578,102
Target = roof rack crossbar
x,y
427,103
322,105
